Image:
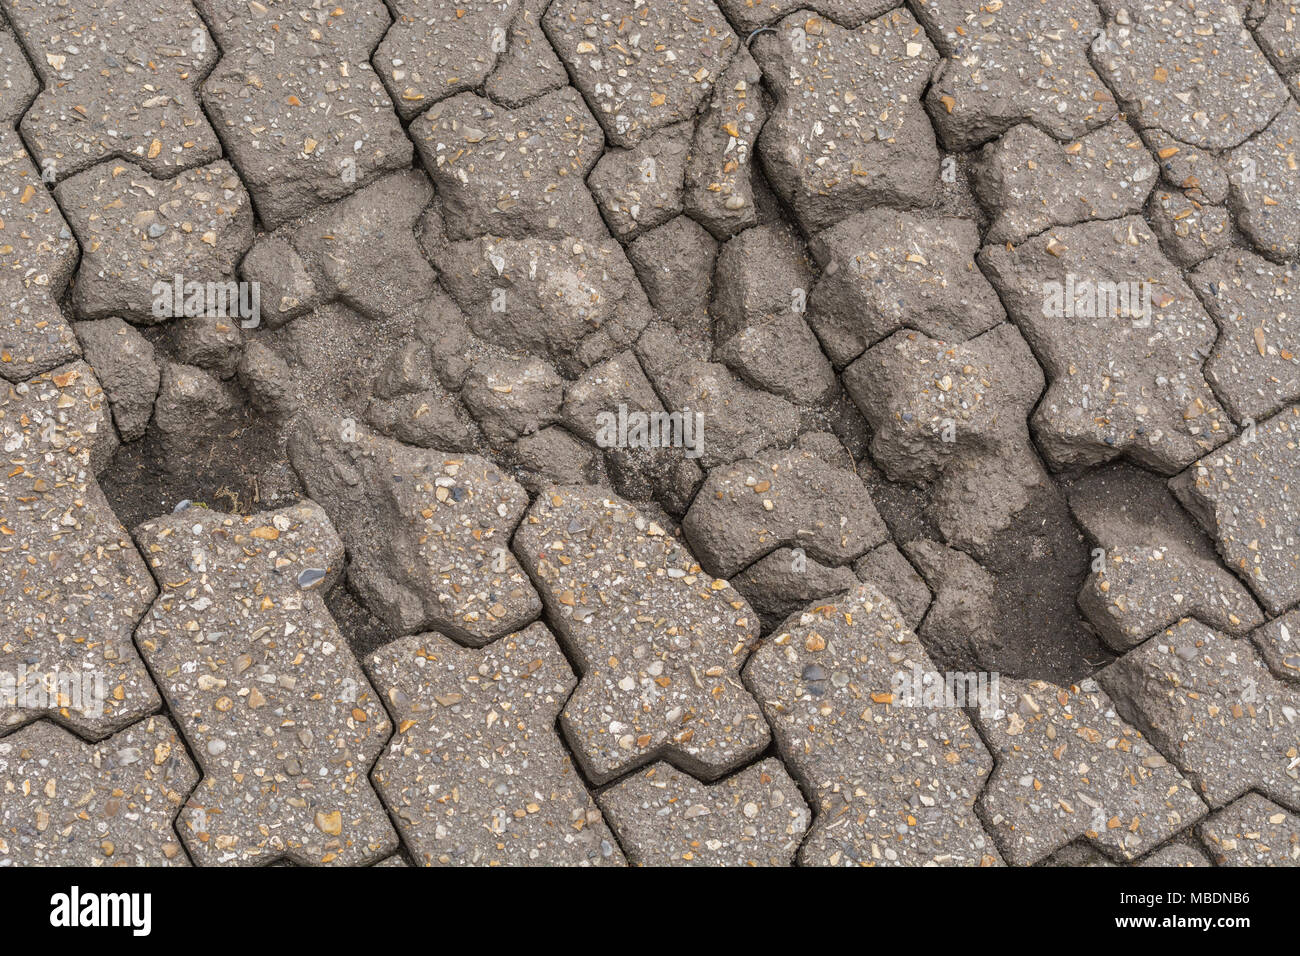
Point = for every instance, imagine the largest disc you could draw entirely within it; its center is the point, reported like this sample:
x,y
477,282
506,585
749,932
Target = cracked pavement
x,y
668,433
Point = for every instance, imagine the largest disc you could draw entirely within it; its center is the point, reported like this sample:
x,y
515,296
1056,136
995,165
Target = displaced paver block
x,y
884,270
428,532
641,66
787,580
1020,62
785,499
891,783
1069,767
1279,644
274,706
70,803
572,301
1212,706
116,80
139,233
434,50
1122,339
476,774
304,119
659,643
1264,178
1247,496
1029,181
640,188
1255,367
37,257
72,586
1192,70
487,187
666,818
1252,832
848,129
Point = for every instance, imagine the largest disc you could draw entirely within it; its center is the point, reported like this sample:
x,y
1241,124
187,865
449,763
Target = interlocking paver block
x,y
1279,643
515,173
428,532
37,258
1252,832
1264,177
476,774
1277,33
1016,61
1247,496
435,49
263,685
297,104
658,642
848,129
749,15
666,818
787,580
641,66
1189,230
955,413
1192,70
18,84
891,784
138,233
70,803
1122,339
1255,366
640,188
575,302
127,368
117,80
72,586
884,270
529,67
1029,181
1070,767
1215,710
748,509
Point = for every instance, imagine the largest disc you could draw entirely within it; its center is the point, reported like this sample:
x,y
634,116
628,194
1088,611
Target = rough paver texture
x,y
476,774
280,715
1252,832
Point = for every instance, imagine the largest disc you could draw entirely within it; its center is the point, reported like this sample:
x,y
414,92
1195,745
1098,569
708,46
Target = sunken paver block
x,y
666,818
434,50
1017,62
659,643
960,629
738,420
1191,70
1142,589
476,774
37,257
719,183
787,580
891,784
1190,231
428,532
72,586
1255,366
125,363
1069,767
1211,705
1279,643
1029,181
70,803
892,574
575,302
529,67
138,233
304,119
749,15
748,509
1122,339
641,66
1247,496
640,188
1252,832
515,173
117,80
884,270
954,413
1264,177
274,706
848,129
